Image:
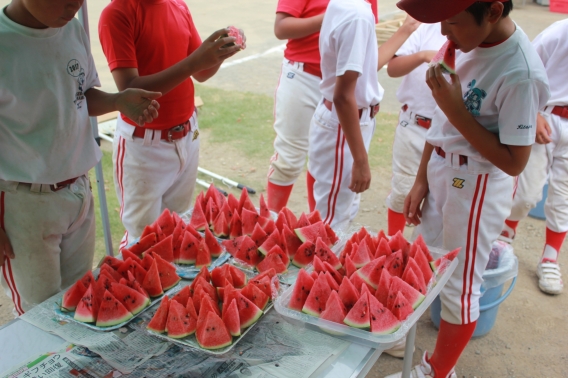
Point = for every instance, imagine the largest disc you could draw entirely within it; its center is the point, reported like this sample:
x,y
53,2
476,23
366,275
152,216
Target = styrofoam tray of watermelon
x,y
382,325
193,317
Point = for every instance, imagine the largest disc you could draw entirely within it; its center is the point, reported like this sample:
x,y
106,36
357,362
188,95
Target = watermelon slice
x,y
281,221
292,241
337,276
350,267
198,219
188,249
326,254
413,276
274,261
264,212
371,273
383,249
401,307
238,276
247,252
348,293
301,290
334,311
255,295
249,219
207,287
312,232
332,236
361,255
424,266
151,282
126,254
182,295
219,276
147,261
290,218
87,308
231,319
359,316
248,311
258,235
180,324
271,241
398,242
236,226
233,203
213,245
136,269
148,229
412,295
233,245
160,318
395,263
383,321
203,257
111,311
319,294
358,281
440,263
212,332
143,244
73,296
221,226
331,281
211,211
422,244
134,301
446,58
167,272
304,255
164,248
314,217
166,222
302,222
382,293
267,224
318,265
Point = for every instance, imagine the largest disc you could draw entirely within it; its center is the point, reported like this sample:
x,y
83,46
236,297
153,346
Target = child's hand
x,y
138,105
427,55
211,53
448,95
413,203
6,251
543,130
360,177
410,24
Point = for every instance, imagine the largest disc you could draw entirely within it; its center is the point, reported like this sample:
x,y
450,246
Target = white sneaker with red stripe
x,y
424,370
549,277
507,235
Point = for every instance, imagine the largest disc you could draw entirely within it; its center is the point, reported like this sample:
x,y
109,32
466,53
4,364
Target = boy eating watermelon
x,y
481,135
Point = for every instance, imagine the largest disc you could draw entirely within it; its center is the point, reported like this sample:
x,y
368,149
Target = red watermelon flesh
x,y
152,283
401,307
314,275
130,298
412,295
304,255
358,281
231,319
318,265
198,218
247,252
207,287
347,250
264,212
137,270
258,235
233,245
166,222
383,321
410,278
229,293
398,242
73,296
182,295
312,232
221,226
412,250
412,266
160,318
422,244
188,249
212,244
111,311
238,276
383,249
255,295
190,307
164,248
316,300
361,255
326,254
358,316
271,241
213,193
102,284
440,263
446,58
264,284
273,260
424,266
147,261
302,222
281,221
148,229
219,275
292,241
198,293
236,226
270,273
226,210
126,254
211,211
314,217
331,235
249,220
143,244
167,272
283,255
301,290
370,245
233,203
207,301
203,273
395,263
248,311
212,333
382,293
331,281
235,32
245,202
88,277
380,235
365,289
180,324
290,217
371,273
109,271
88,307
337,276
362,233
334,311
348,293
203,257
350,267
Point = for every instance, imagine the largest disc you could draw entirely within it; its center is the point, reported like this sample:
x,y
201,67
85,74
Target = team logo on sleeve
x,y
458,183
473,98
74,69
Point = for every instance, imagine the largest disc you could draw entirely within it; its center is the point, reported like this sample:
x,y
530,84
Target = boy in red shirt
x,y
154,45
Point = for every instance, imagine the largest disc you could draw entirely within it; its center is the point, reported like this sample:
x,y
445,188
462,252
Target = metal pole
x,y
226,180
409,352
84,19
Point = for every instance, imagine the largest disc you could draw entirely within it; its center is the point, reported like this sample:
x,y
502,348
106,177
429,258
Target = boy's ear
x,y
495,12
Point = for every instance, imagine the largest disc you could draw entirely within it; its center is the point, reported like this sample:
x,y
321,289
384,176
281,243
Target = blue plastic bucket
x,y
538,211
488,308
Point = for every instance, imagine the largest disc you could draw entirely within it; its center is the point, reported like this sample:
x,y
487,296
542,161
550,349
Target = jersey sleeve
x,y
351,41
291,7
116,33
195,41
412,44
518,107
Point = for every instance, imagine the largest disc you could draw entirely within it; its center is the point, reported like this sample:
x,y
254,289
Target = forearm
x,y
422,174
205,75
348,114
403,65
99,102
391,46
289,27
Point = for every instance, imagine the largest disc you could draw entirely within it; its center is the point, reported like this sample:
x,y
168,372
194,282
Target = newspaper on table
x,y
274,348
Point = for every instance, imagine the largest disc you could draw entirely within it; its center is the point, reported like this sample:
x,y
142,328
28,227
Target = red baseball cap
x,y
432,11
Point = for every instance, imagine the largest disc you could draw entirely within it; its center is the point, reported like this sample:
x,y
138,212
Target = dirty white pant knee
x,y
53,237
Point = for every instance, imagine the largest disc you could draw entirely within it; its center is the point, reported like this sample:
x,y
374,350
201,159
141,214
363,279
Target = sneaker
x,y
397,350
507,235
424,370
549,277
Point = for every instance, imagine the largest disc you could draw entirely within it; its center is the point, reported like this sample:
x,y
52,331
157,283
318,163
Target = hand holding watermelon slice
x,y
238,34
446,58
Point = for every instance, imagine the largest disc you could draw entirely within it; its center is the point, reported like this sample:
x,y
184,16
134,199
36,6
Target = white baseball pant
x,y
330,163
295,101
53,238
546,160
151,174
465,207
407,150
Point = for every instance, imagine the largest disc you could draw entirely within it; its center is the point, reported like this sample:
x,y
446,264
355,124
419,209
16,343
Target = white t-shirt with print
x,y
503,87
552,47
45,134
413,90
348,43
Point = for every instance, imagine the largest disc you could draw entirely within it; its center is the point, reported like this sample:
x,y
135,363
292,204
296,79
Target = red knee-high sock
x,y
555,240
396,222
277,196
310,181
452,340
513,224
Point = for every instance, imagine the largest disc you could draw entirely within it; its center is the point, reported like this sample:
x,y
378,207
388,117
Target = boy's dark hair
x,y
480,8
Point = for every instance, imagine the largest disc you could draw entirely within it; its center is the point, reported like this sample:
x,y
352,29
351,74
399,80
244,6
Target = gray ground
x,y
529,338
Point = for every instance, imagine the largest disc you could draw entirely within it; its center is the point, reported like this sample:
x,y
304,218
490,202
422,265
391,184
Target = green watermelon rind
x,y
356,325
252,320
216,346
388,331
116,321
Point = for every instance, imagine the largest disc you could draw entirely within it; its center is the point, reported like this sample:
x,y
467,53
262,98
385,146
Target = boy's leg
x,y
406,154
296,98
37,224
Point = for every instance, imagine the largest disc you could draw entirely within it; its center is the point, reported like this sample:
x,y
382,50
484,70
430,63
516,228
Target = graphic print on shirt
x,y
473,98
74,69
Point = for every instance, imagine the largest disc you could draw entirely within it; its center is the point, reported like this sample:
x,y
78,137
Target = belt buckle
x,y
174,129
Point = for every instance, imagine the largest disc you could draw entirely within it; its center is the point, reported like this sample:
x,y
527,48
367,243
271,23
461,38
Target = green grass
x,y
244,121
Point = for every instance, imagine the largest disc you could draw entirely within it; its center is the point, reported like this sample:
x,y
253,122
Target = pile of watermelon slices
x,y
176,242
292,240
216,307
121,290
383,281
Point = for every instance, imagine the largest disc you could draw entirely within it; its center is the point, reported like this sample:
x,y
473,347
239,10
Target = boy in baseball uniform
x,y
344,120
415,117
297,94
154,45
549,158
481,135
47,222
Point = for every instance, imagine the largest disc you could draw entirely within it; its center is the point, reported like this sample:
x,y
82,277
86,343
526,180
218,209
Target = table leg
x,y
409,352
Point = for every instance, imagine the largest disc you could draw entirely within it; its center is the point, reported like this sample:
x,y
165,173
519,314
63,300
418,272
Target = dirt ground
x,y
529,338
